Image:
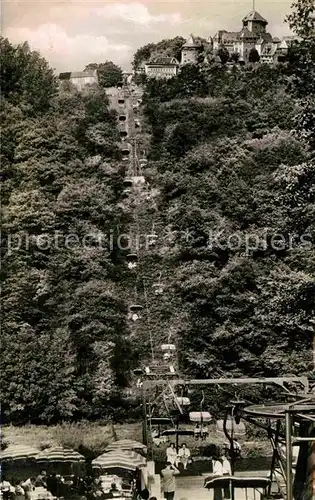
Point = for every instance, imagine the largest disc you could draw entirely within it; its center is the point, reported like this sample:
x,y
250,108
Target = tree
x,y
109,74
25,77
253,56
223,53
235,56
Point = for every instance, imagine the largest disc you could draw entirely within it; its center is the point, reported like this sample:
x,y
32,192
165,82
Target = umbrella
x,y
18,452
122,459
238,429
59,454
126,444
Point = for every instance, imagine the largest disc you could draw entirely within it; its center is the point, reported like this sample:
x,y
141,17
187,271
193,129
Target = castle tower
x,y
255,23
190,51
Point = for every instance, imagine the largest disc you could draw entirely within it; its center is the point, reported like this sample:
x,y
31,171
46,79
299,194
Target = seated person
x,y
184,455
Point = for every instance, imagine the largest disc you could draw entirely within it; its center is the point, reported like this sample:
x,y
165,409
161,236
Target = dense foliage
x,y
64,336
233,150
109,74
231,204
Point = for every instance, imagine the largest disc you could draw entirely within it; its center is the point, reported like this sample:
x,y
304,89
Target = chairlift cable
x,y
148,320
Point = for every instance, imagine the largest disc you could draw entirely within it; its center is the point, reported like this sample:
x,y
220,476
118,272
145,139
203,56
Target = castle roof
x,y
254,16
245,33
283,45
191,43
230,35
77,74
163,61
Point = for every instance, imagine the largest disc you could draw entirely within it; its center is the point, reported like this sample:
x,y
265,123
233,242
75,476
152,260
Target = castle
x,y
253,35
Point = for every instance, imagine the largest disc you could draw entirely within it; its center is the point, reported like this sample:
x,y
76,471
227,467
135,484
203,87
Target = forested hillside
x,y
231,199
64,338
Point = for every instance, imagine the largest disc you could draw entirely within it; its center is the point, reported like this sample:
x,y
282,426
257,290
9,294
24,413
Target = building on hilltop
x,y
80,79
253,35
162,67
190,51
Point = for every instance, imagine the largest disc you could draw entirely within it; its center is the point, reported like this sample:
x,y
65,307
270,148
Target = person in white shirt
x,y
217,471
227,471
171,454
184,455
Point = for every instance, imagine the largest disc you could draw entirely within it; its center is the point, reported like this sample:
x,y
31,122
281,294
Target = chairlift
x,y
132,259
138,180
160,420
123,133
125,151
128,182
134,311
121,101
167,356
138,371
177,432
199,416
135,308
122,118
158,288
143,162
126,192
168,347
238,429
183,401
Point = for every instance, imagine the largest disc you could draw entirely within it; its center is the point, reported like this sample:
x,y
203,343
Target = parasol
x,y
126,444
59,454
18,452
122,459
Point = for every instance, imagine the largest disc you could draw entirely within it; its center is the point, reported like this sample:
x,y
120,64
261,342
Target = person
x,y
184,455
217,467
205,432
5,488
29,486
227,471
168,480
19,491
197,432
52,484
171,454
41,479
237,448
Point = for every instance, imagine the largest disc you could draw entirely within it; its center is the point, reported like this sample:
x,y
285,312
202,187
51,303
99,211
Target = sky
x,y
73,33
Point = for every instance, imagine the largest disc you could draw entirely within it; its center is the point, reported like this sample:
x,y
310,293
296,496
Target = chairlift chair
x,y
199,416
132,259
125,151
128,182
143,162
183,401
138,371
121,100
168,347
123,133
122,118
138,180
134,312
